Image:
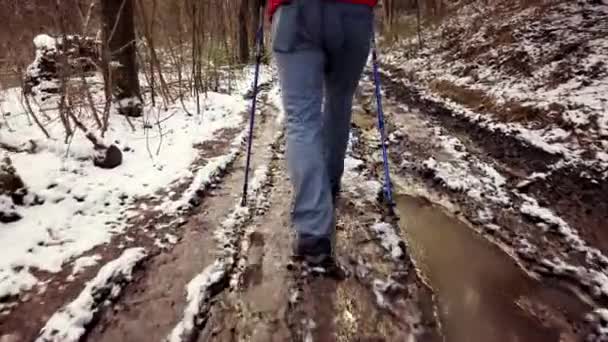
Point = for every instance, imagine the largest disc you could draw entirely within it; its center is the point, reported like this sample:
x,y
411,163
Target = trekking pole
x,y
388,191
259,43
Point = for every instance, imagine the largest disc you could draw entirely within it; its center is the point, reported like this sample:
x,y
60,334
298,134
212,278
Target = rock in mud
x,y
108,158
10,182
8,216
12,191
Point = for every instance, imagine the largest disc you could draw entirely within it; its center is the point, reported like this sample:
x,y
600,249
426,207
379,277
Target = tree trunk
x,y
243,33
120,62
389,13
419,25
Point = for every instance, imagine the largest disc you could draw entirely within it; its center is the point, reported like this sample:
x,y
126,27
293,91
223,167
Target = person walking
x,y
321,48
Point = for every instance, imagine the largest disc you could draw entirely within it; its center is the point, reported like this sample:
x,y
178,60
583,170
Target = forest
x,y
127,138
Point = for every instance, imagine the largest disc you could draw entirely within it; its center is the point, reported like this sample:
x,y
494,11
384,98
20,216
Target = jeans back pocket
x,y
285,28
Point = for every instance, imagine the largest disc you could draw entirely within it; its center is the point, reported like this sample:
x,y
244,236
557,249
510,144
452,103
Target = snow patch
x,y
476,179
44,41
389,239
85,206
569,88
198,293
68,324
172,239
205,176
83,262
594,256
355,181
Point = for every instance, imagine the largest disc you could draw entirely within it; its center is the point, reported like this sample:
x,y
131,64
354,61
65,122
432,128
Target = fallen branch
x,y
97,143
30,112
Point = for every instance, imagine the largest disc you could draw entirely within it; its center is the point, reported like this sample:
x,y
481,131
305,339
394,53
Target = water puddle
x,y
482,295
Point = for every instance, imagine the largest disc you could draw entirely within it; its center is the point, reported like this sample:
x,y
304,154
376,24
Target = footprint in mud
x,y
254,272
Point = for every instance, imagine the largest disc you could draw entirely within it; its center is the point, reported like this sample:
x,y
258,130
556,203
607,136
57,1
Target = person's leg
x,y
300,66
349,30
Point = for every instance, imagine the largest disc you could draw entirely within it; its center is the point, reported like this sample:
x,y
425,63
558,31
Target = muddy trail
x,y
429,276
472,256
543,222
481,289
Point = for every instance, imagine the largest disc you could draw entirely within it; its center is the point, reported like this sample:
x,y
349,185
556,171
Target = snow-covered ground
x,y
536,71
74,206
68,324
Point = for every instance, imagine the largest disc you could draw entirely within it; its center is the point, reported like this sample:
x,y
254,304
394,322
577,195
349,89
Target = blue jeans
x,y
321,48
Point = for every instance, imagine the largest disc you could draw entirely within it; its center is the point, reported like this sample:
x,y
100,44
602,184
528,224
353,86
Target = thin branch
x,y
31,112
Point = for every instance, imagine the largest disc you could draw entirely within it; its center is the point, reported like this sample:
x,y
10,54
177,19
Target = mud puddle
x,y
482,295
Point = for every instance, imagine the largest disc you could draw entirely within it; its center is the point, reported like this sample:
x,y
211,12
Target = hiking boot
x,y
329,267
316,253
312,250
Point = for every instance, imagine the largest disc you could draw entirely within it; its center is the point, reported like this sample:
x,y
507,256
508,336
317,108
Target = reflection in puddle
x,y
480,290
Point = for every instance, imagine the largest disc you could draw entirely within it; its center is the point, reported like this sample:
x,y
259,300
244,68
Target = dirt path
x,y
577,193
472,258
152,306
273,299
458,191
254,307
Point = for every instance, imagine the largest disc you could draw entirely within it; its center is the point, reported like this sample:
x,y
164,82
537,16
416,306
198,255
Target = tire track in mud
x,y
217,277
271,298
252,308
441,168
153,304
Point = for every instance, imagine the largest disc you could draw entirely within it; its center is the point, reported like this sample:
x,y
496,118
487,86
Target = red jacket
x,y
274,4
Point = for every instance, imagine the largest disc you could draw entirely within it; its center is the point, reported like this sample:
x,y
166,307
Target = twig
x,y
91,102
107,86
118,15
147,131
67,150
160,131
31,112
97,143
87,20
418,24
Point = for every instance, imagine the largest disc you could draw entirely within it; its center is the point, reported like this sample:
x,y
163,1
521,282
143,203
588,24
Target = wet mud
x,y
482,295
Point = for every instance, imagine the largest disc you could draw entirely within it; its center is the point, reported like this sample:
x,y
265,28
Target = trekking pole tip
x,y
391,215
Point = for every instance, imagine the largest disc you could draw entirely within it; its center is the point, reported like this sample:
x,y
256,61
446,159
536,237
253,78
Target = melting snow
x,y
200,289
198,294
488,69
44,41
83,262
389,239
68,324
85,205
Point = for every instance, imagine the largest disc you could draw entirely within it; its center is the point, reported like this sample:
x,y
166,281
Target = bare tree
x,y
243,31
418,24
120,60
